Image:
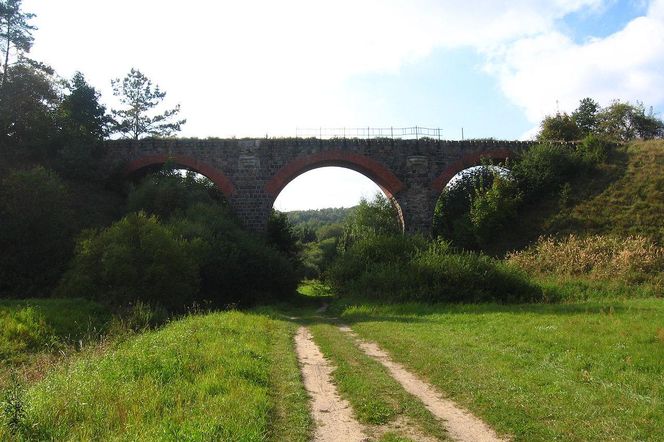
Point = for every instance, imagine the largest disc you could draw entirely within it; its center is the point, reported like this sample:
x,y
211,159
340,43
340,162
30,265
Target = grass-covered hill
x,y
623,196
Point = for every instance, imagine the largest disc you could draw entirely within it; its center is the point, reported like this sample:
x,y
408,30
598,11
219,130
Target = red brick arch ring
x,y
467,161
372,169
218,178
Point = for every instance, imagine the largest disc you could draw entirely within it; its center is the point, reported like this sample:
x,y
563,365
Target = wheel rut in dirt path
x,y
333,415
460,424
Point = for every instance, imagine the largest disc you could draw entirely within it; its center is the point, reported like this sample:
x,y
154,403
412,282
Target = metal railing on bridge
x,y
414,132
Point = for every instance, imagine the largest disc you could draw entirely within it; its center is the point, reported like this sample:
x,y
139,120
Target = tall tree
x,y
15,32
82,123
27,122
81,113
136,92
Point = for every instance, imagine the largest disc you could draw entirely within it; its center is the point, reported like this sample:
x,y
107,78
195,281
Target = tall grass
x,y
33,325
632,259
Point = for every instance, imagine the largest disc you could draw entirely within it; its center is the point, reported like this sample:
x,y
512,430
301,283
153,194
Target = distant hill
x,y
315,219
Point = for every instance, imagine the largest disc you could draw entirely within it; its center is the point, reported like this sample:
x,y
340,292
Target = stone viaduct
x,y
252,172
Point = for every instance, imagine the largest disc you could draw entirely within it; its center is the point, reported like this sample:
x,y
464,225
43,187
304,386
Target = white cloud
x,y
544,70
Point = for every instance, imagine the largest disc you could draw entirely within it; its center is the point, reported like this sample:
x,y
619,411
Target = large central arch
x,y
388,182
372,169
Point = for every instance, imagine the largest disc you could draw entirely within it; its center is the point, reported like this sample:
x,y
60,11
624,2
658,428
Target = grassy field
x,y
221,376
580,371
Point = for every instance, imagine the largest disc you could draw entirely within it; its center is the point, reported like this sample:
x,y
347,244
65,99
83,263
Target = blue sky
x,y
260,67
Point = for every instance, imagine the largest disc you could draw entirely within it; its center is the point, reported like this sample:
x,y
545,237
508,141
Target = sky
x,y
265,67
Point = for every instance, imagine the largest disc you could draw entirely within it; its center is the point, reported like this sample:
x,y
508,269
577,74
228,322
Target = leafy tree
x,y
492,209
282,236
168,193
15,32
623,121
370,218
585,116
560,127
140,98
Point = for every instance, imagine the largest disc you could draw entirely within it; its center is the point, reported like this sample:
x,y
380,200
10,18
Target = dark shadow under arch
x,y
218,178
466,162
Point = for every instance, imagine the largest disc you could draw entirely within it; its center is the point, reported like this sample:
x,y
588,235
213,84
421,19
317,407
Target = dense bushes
x,y
399,268
236,267
37,229
200,256
136,258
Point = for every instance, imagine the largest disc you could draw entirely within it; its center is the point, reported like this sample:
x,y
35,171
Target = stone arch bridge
x,y
252,172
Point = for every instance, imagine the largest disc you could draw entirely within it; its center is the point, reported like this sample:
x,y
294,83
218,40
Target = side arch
x,y
467,161
375,171
218,178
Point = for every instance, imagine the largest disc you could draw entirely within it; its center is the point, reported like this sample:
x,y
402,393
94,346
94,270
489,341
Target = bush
x,y
136,259
400,269
542,169
37,232
236,267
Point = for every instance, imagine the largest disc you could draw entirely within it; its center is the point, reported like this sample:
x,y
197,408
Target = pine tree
x,y
136,92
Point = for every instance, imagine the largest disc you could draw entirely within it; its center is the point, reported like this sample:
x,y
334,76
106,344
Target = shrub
x,y
408,269
36,233
236,267
593,149
136,259
22,330
542,169
631,259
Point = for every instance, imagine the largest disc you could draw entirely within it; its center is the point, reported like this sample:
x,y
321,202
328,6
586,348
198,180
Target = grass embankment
x,y
221,376
377,399
583,371
633,204
624,196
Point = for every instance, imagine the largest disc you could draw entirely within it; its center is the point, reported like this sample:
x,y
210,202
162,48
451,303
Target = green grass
x,y
221,376
377,399
581,371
